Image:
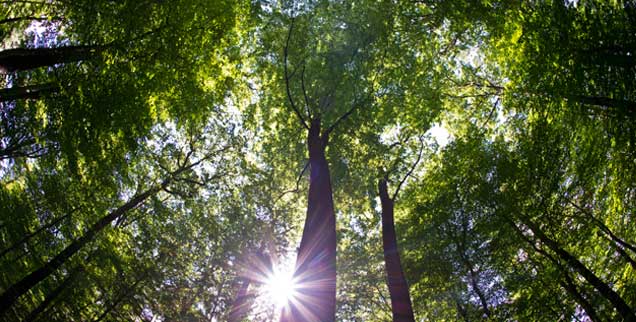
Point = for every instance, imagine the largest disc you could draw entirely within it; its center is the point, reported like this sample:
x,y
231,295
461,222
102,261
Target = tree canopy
x,y
317,160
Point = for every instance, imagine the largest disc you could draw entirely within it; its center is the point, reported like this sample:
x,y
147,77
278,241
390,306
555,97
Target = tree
x,y
525,214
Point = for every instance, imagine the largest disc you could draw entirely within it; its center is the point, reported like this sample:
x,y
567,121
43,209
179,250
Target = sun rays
x,y
280,288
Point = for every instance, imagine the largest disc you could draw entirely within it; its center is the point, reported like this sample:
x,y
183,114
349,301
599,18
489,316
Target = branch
x,y
340,119
289,95
355,106
419,157
302,83
492,111
300,176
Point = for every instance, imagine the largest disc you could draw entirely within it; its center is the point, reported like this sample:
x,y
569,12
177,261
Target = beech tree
x,y
168,160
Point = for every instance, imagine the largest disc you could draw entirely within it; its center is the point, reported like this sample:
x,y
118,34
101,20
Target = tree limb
x,y
289,95
297,184
419,157
302,83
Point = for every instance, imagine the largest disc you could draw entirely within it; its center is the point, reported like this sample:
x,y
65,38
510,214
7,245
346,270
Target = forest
x,y
318,160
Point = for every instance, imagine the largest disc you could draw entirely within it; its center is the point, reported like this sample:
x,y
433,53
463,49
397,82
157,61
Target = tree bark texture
x,y
569,285
315,274
401,306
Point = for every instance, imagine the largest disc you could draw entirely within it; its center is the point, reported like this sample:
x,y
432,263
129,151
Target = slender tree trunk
x,y
28,92
239,308
26,18
28,236
25,284
475,285
398,289
609,56
617,301
54,294
18,59
569,285
127,292
590,216
461,311
624,255
315,274
619,106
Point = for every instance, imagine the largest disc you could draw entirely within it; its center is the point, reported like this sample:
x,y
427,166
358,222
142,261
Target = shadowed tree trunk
x,y
239,307
16,290
28,236
18,59
126,293
398,289
28,92
315,274
13,292
569,285
619,106
51,297
26,18
473,275
605,290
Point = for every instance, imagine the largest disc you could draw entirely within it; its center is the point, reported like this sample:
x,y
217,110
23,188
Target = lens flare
x,y
280,288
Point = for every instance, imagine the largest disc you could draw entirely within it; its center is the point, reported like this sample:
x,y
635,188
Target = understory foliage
x,y
153,156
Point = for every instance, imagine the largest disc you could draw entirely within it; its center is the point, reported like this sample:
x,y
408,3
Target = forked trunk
x,y
398,289
315,274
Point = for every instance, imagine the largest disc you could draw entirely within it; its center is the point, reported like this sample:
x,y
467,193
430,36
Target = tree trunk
x,y
315,274
28,92
569,285
398,289
54,294
19,59
475,285
239,308
24,285
29,235
127,292
605,290
461,311
624,255
590,216
618,106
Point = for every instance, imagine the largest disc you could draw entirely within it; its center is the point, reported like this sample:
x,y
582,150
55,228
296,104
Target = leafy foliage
x,y
200,107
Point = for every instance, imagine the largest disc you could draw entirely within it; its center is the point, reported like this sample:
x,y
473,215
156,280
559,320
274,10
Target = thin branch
x,y
16,19
341,118
492,111
419,157
300,176
289,95
384,300
355,106
302,83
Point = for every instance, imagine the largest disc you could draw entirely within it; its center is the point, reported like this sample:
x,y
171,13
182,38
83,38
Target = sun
x,y
280,288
